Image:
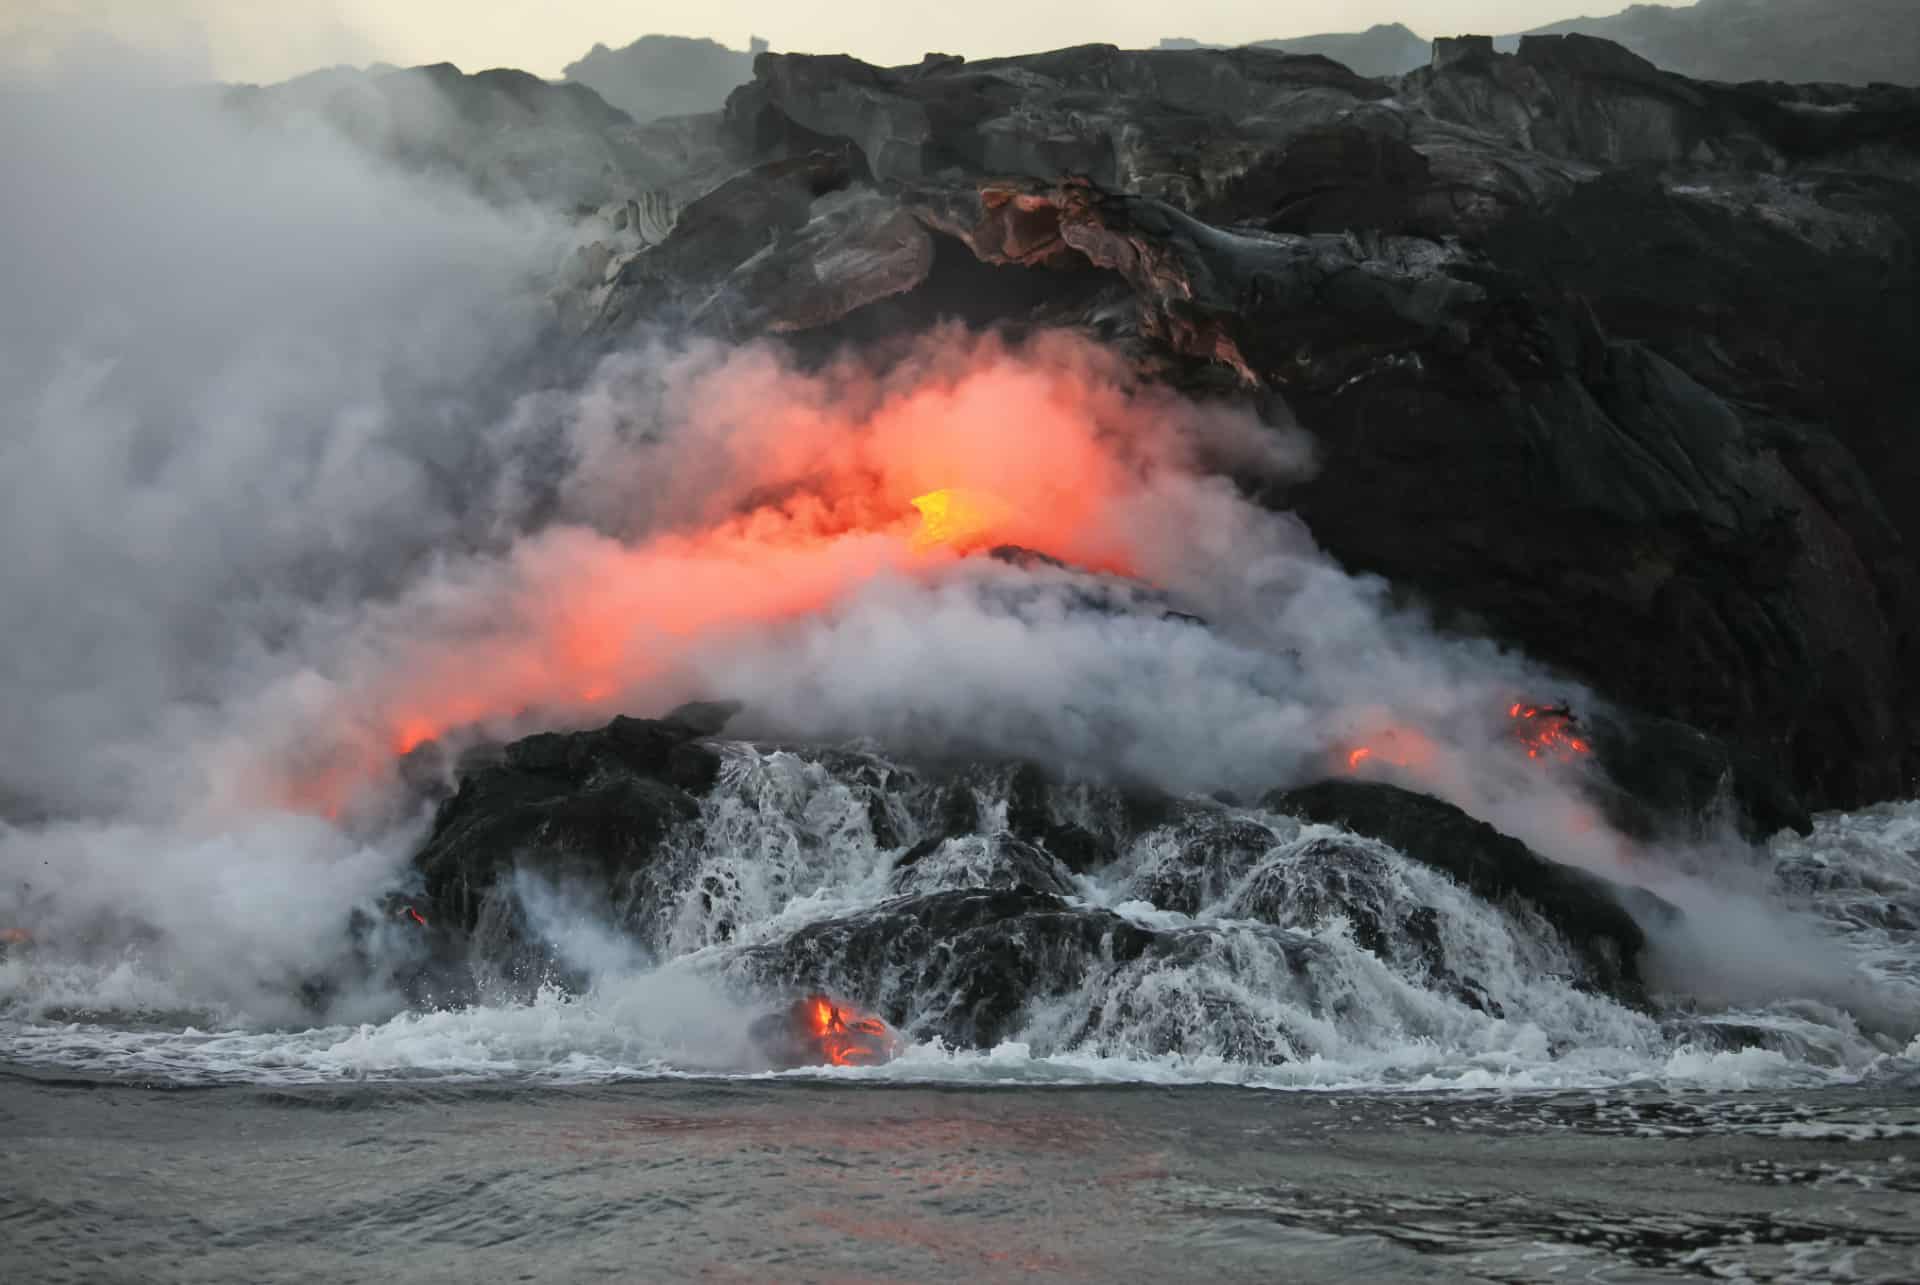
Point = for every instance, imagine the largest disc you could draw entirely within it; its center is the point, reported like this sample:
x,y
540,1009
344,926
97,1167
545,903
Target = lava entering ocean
x,y
815,1031
1543,732
1548,731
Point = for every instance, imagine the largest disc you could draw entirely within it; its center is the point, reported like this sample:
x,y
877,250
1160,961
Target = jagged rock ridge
x,y
1612,363
659,76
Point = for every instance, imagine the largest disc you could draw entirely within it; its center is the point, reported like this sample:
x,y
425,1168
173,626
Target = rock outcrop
x,y
1608,363
982,921
585,814
1592,913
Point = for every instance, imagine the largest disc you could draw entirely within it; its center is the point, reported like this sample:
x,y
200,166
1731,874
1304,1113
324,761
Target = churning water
x,y
1308,958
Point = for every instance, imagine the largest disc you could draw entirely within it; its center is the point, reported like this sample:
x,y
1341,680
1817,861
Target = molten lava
x,y
959,520
858,1040
1400,747
791,492
1548,731
815,1031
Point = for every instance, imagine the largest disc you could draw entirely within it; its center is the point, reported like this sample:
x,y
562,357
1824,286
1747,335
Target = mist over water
x,y
292,484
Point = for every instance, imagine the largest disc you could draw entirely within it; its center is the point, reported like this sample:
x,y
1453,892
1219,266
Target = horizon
x,y
176,42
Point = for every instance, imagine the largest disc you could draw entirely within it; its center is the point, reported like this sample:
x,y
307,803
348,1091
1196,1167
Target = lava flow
x,y
800,490
1400,747
1548,731
959,520
815,1031
1545,732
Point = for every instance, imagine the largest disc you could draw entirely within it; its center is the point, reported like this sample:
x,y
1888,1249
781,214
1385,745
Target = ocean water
x,y
1761,1123
807,1180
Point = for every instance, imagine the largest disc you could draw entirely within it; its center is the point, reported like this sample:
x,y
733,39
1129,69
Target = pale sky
x,y
267,40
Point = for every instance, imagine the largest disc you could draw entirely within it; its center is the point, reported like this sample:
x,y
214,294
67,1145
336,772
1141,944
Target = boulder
x,y
959,966
583,809
970,967
1591,913
993,861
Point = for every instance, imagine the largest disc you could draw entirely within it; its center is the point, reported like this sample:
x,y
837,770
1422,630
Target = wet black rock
x,y
575,809
1027,803
1660,772
990,861
1206,852
959,966
1031,815
1591,913
966,967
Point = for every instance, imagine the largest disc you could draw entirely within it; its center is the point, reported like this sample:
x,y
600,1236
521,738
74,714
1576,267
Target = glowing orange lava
x,y
959,520
843,1040
790,493
1401,747
1548,732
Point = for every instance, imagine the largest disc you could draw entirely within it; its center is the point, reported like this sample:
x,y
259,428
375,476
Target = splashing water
x,y
1286,955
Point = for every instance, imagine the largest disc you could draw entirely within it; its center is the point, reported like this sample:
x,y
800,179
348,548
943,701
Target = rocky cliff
x,y
1609,363
1606,362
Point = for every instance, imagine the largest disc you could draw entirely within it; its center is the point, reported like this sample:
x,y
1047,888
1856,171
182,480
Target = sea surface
x,y
152,1131
803,1180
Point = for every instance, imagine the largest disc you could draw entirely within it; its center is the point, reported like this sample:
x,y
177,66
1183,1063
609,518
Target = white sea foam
x,y
1355,1022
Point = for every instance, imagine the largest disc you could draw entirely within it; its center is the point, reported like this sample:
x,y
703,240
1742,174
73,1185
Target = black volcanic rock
x,y
971,961
1588,911
575,809
1852,42
1660,771
1171,120
1609,364
966,966
996,861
